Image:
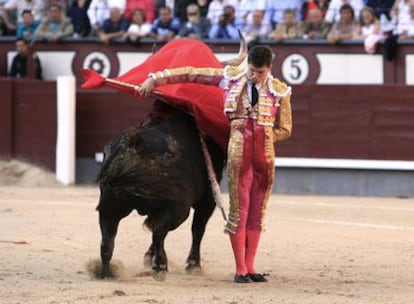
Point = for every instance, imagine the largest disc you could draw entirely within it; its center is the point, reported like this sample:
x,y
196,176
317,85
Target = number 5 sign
x,y
295,69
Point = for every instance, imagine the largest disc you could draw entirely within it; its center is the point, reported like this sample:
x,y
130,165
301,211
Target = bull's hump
x,y
158,144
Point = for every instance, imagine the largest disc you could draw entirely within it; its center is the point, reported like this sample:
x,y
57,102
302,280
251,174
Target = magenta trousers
x,y
250,169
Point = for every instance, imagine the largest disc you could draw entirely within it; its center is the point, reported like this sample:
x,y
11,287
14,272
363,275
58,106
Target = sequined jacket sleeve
x,y
208,76
283,125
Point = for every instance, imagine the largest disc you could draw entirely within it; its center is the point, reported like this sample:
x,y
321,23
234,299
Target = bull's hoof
x,y
159,272
159,276
102,271
106,274
193,268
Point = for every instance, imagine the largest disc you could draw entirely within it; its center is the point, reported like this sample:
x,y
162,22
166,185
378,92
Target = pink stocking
x,y
253,238
238,243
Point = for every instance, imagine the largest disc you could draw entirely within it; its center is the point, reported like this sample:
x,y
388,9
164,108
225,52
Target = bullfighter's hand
x,y
147,86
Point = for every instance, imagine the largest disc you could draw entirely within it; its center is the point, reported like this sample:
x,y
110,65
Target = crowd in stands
x,y
163,20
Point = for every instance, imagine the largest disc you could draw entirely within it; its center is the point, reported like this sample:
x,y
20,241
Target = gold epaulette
x,y
233,72
279,88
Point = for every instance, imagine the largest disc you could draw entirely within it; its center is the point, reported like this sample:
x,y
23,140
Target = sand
x,y
317,249
19,173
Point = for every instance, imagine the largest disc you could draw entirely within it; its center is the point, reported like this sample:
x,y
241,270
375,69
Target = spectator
x,y
290,28
400,15
276,8
203,5
19,67
165,27
138,28
18,6
345,27
27,28
368,29
258,29
322,5
216,7
148,6
400,10
316,27
227,27
196,26
98,12
3,28
78,14
62,3
381,7
179,9
333,13
114,27
368,24
405,26
55,27
244,11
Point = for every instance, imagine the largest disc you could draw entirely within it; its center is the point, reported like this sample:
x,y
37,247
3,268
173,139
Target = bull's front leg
x,y
201,216
161,223
109,228
159,257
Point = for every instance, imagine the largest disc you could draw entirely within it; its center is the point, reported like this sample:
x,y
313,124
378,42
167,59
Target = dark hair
x,y
289,11
165,7
56,6
144,18
349,8
26,11
229,7
21,39
260,55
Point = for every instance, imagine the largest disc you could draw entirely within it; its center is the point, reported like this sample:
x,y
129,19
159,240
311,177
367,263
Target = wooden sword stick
x,y
135,87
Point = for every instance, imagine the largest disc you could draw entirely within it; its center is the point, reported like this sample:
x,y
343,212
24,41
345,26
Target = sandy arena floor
x,y
317,250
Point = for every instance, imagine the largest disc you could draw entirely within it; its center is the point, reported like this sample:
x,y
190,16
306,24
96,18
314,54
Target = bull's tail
x,y
212,177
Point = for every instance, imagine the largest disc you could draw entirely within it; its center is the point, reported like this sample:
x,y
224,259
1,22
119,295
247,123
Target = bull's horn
x,y
241,55
154,48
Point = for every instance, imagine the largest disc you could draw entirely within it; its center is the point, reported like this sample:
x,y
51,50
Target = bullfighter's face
x,y
257,74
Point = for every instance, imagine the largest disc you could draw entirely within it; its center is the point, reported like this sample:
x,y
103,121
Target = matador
x,y
259,110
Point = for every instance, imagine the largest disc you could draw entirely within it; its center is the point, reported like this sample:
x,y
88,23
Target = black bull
x,y
157,169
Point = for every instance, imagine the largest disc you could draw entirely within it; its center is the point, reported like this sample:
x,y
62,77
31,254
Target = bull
x,y
157,169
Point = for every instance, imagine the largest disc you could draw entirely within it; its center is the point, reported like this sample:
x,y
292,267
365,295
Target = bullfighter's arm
x,y
207,76
283,124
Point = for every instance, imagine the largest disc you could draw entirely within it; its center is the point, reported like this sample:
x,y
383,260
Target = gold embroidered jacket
x,y
272,110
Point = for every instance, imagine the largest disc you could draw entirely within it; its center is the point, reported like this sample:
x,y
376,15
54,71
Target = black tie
x,y
255,95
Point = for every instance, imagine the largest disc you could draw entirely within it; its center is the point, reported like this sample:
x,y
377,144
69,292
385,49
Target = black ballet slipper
x,y
257,277
238,278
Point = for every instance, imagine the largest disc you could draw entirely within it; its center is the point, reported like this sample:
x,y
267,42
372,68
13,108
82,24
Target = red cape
x,y
203,101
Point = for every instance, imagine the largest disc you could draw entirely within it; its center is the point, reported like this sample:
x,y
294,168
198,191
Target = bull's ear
x,y
107,150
